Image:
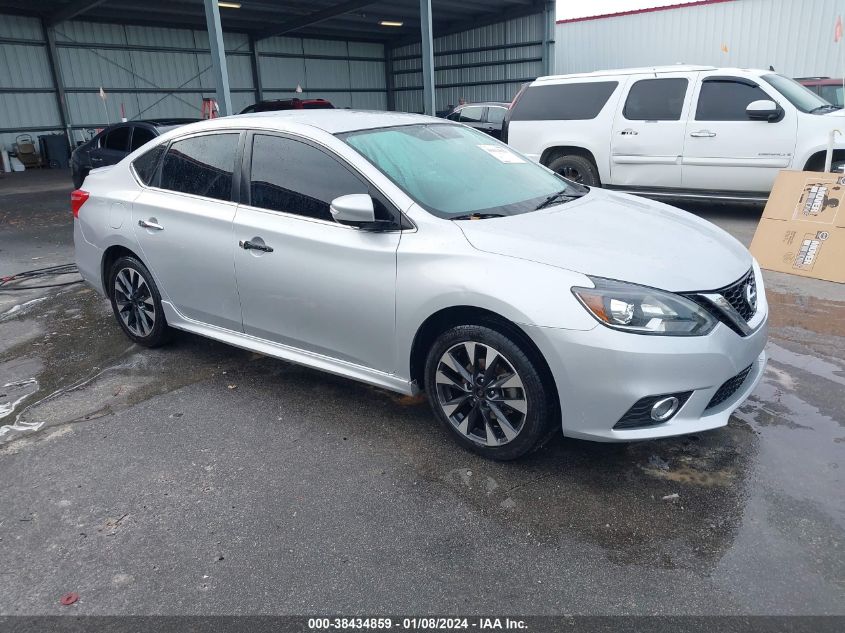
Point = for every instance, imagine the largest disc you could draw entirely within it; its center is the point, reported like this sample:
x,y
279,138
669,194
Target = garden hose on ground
x,y
12,282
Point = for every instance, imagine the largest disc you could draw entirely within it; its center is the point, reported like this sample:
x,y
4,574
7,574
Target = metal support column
x,y
427,46
389,79
218,57
549,28
256,70
58,83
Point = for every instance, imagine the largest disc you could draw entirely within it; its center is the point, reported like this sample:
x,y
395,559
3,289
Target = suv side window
x,y
472,114
117,139
140,136
656,100
496,115
201,165
146,165
295,177
726,100
563,102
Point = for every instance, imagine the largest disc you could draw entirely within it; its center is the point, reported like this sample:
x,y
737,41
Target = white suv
x,y
675,131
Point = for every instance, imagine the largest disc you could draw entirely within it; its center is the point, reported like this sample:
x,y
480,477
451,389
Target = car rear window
x,y
563,102
201,166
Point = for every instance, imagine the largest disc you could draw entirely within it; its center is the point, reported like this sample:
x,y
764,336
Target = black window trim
x,y
107,132
141,126
234,197
404,222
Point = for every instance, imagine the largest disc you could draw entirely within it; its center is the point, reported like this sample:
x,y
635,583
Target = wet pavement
x,y
199,478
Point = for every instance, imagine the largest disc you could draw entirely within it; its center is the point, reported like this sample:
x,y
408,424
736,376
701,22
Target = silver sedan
x,y
415,254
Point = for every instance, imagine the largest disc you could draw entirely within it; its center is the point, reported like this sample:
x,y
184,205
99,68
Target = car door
x,y
112,148
724,149
495,119
647,140
183,224
325,288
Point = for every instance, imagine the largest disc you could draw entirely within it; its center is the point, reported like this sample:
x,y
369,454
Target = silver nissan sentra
x,y
414,253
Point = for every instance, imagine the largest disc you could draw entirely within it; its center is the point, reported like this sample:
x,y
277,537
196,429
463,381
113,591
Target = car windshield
x,y
802,98
454,171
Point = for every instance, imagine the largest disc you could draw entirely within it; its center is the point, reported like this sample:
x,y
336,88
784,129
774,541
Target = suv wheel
x,y
489,393
136,303
577,169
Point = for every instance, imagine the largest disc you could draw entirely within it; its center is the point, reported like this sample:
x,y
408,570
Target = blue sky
x,y
567,9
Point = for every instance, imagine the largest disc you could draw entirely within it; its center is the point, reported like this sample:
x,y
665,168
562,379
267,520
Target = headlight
x,y
644,310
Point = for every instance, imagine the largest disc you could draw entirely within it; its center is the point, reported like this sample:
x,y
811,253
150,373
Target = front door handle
x,y
703,134
150,224
629,132
252,246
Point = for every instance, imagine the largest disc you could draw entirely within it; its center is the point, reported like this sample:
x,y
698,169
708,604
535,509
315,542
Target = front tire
x,y
577,169
136,303
489,392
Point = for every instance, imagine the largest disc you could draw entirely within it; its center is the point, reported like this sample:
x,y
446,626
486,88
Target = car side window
x,y
140,137
472,114
146,165
201,165
117,139
496,115
725,100
656,100
295,177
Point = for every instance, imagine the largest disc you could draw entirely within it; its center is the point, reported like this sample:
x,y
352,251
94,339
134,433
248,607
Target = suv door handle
x,y
150,224
629,132
703,134
252,246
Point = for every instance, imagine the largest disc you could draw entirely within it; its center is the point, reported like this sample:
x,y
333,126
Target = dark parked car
x,y
827,88
288,104
116,141
486,117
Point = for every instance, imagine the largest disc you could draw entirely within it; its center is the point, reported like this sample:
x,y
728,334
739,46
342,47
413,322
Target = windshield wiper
x,y
825,107
477,216
563,194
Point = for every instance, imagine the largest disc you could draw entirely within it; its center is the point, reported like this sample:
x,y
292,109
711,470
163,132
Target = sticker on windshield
x,y
503,154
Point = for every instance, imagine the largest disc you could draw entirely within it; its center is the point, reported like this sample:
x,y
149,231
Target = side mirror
x,y
355,209
764,110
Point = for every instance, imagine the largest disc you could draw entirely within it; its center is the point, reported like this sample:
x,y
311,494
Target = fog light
x,y
664,409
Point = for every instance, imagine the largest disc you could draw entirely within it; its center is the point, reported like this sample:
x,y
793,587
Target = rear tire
x,y
501,411
577,169
136,303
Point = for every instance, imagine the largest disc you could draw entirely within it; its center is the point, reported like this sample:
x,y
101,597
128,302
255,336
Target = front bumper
x,y
601,373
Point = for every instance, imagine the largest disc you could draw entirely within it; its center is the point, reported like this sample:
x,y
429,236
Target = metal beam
x,y
255,63
427,57
56,73
72,10
314,18
389,79
218,57
549,27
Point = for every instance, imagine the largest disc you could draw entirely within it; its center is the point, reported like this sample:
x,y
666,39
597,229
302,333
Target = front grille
x,y
639,415
736,295
729,388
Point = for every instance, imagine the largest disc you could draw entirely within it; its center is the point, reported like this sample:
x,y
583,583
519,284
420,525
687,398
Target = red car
x,y
288,104
827,88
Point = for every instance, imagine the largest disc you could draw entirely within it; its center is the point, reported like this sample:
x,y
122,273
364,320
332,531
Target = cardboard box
x,y
802,230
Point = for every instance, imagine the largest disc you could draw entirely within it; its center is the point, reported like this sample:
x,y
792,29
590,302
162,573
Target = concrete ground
x,y
203,479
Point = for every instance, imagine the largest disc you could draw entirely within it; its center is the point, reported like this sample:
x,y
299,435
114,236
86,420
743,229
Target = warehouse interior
x,y
70,67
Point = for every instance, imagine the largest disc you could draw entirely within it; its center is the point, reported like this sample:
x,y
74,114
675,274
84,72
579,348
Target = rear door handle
x,y
703,134
252,246
150,224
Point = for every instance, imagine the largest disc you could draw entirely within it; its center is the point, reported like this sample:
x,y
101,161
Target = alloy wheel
x,y
481,393
134,301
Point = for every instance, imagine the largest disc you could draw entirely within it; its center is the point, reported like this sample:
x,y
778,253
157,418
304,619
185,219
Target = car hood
x,y
619,237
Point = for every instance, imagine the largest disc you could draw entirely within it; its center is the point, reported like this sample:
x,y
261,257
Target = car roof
x,y
332,121
165,122
819,81
677,68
